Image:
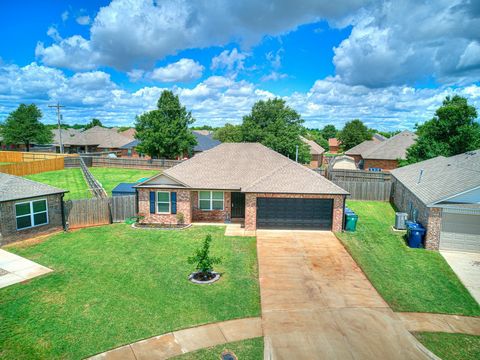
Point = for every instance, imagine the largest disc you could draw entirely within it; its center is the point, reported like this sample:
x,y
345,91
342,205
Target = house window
x,y
163,202
31,213
210,200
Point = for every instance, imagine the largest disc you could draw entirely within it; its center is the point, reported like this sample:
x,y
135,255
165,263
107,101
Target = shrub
x,y
180,218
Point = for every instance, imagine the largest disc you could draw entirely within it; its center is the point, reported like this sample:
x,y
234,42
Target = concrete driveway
x,y
318,304
467,267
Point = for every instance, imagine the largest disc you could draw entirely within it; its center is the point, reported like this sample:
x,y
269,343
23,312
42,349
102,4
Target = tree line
x,y
166,131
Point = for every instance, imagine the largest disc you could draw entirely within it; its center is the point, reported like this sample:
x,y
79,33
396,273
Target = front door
x,y
238,205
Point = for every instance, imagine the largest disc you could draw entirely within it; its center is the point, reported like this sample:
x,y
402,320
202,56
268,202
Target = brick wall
x,y
183,206
382,164
8,223
431,218
251,207
212,215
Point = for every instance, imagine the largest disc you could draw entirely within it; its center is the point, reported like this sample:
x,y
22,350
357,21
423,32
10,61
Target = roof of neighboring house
x,y
442,177
16,188
378,136
130,145
130,133
363,147
333,142
97,135
315,149
393,148
248,167
204,140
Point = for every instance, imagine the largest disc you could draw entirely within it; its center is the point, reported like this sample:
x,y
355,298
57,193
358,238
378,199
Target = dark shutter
x,y
173,200
152,202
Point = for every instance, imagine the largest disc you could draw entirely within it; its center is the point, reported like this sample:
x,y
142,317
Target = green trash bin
x,y
351,221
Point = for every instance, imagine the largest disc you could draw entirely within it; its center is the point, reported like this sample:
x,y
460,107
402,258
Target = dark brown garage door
x,y
284,213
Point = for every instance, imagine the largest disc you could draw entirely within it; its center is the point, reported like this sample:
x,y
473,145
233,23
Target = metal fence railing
x,y
97,190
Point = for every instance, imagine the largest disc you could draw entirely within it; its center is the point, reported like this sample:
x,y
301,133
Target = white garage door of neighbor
x,y
460,232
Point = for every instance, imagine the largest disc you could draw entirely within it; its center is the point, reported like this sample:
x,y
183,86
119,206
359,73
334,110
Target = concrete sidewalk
x,y
180,342
15,269
440,323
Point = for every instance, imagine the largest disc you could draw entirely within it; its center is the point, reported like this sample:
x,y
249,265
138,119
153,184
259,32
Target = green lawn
x,y
111,177
68,179
251,349
412,280
451,346
114,285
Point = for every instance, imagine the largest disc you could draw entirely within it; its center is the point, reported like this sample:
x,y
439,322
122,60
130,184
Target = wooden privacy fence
x,y
358,175
99,211
32,167
134,163
367,190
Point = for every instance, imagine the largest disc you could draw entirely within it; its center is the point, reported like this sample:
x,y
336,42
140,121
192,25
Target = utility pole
x,y
59,117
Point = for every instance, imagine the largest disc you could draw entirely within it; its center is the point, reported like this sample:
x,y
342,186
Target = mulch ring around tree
x,y
200,278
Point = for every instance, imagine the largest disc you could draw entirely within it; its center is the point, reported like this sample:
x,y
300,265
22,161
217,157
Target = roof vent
x,y
420,176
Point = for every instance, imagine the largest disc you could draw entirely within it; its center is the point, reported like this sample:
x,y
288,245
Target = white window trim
x,y
211,200
163,202
31,214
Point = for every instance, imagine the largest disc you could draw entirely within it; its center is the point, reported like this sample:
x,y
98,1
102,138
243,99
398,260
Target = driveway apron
x,y
318,304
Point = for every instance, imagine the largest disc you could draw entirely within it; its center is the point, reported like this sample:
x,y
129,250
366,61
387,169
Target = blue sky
x,y
389,64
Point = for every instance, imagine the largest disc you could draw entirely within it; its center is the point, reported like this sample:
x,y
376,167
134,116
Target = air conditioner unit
x,y
400,219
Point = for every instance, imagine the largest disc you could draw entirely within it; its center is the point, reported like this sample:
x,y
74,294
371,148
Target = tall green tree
x,y
23,126
453,130
329,131
165,132
353,133
93,123
276,126
229,133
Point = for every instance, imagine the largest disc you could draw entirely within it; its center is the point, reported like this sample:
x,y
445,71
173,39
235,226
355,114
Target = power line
x,y
59,117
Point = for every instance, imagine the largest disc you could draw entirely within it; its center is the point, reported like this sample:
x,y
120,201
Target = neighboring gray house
x,y
444,194
28,208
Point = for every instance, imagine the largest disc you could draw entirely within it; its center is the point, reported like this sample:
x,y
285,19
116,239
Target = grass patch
x,y
411,280
114,285
68,179
251,349
451,346
111,177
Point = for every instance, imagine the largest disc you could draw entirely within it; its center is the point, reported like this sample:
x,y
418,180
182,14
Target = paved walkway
x,y
15,269
318,304
440,323
467,267
179,342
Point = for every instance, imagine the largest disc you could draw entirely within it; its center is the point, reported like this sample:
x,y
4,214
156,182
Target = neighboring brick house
x,y
382,155
316,153
247,181
333,145
443,194
28,208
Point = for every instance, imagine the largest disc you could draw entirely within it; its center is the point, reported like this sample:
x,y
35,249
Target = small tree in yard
x,y
203,261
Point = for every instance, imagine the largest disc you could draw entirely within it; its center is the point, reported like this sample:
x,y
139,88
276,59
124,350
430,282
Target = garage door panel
x,y
460,232
294,213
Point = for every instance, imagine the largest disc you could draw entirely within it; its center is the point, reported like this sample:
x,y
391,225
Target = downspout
x,y
343,215
62,209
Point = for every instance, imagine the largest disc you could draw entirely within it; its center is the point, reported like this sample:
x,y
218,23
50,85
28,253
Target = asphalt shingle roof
x,y
15,188
204,141
249,167
315,149
442,177
102,137
393,148
363,147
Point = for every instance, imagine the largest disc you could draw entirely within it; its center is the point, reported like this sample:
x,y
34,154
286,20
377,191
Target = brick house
x,y
28,208
333,145
316,153
443,194
380,154
244,181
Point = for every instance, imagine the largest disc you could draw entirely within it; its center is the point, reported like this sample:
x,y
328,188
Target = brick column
x,y
432,238
250,212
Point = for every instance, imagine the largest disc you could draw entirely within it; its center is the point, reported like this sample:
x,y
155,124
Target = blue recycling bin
x,y
415,234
